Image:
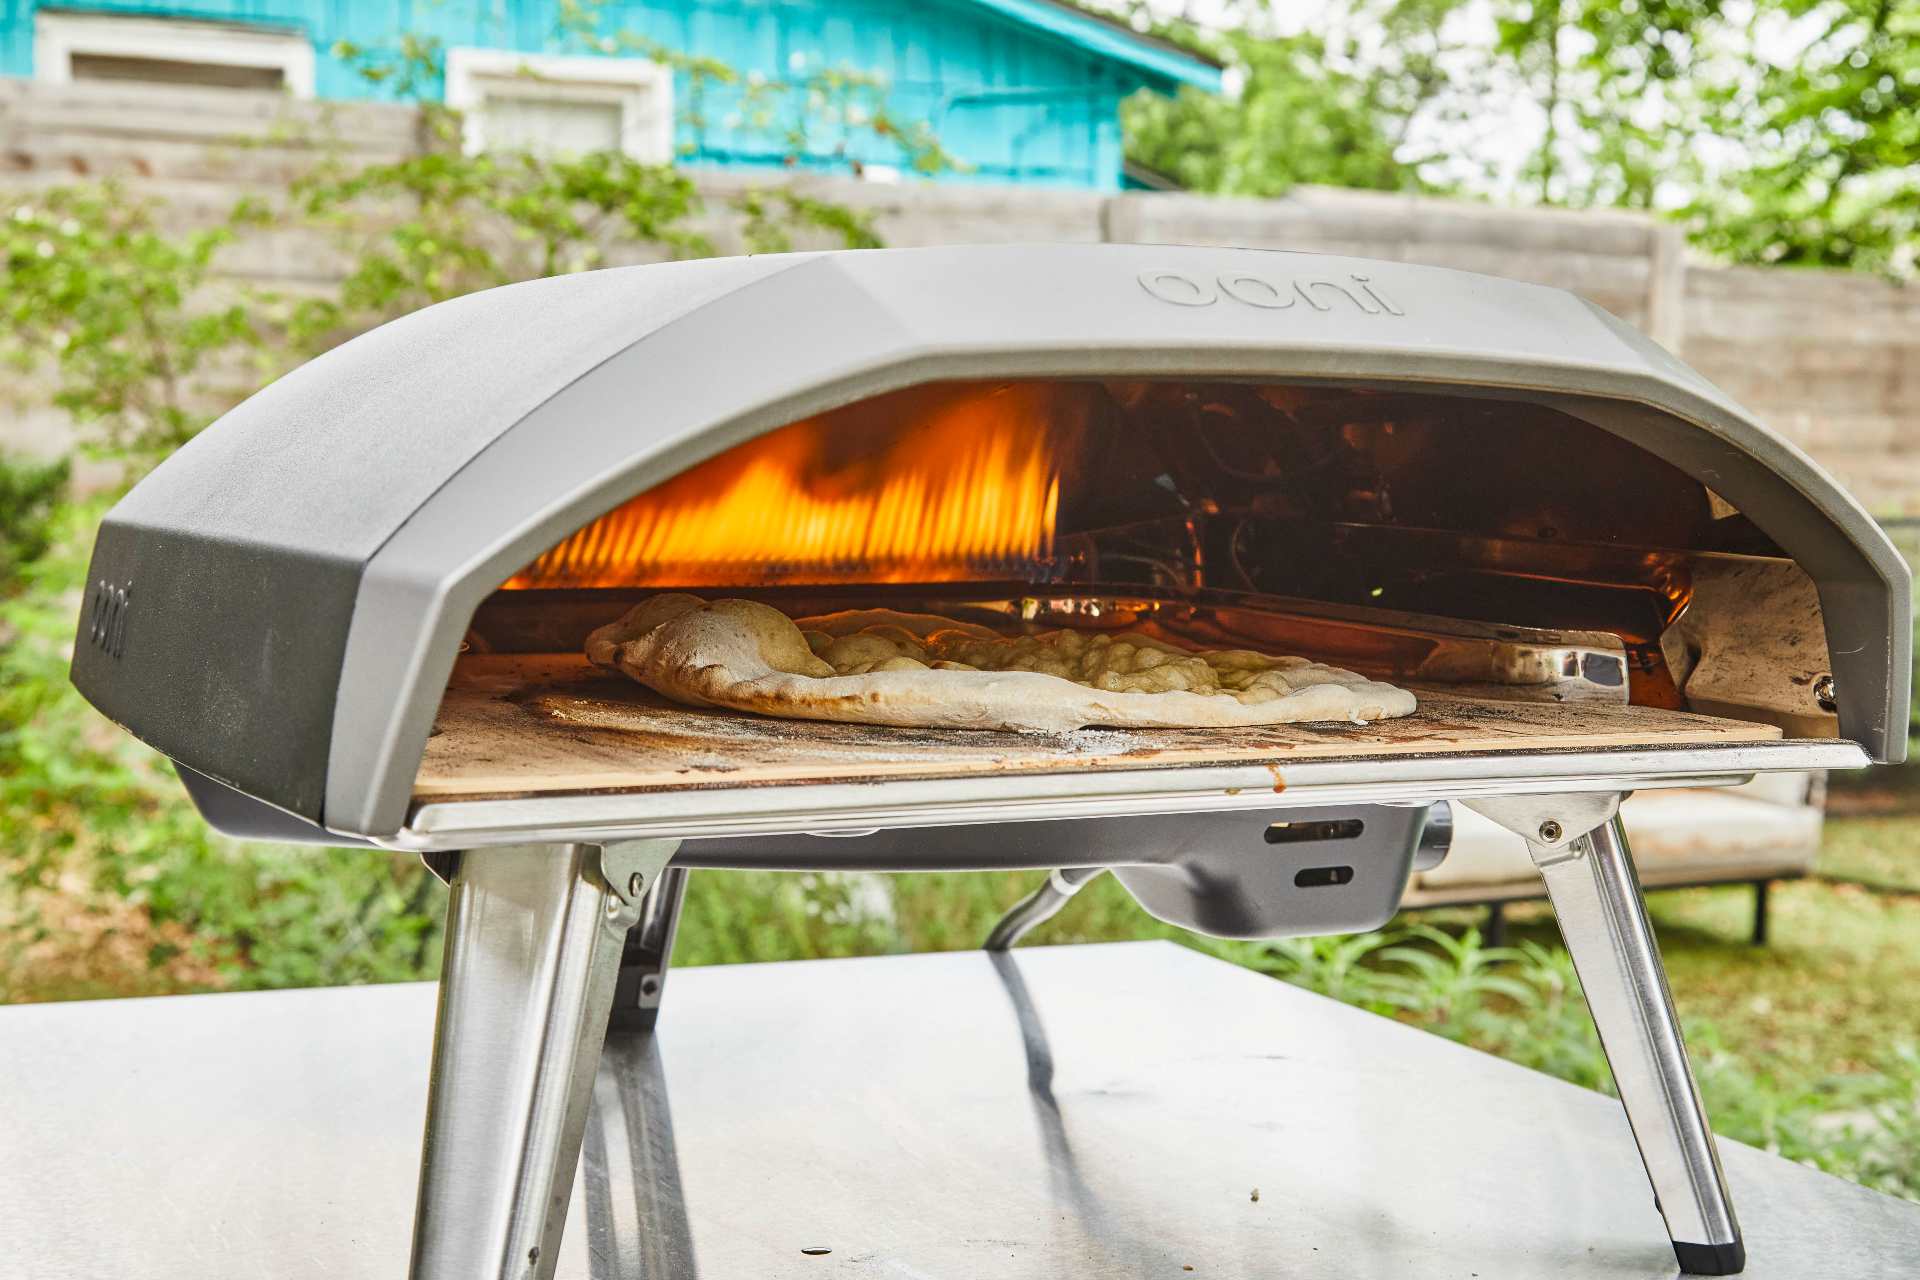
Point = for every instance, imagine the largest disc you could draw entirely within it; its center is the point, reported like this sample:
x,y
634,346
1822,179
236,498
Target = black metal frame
x,y
1494,931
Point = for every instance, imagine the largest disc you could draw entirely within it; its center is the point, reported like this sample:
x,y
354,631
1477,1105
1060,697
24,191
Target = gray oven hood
x,y
278,606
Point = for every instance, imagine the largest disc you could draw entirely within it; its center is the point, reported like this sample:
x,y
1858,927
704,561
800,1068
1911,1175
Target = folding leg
x,y
643,962
1603,918
1040,906
534,937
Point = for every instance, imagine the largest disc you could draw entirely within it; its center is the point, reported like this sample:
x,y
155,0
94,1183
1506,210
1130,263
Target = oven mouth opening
x,y
1532,578
1088,502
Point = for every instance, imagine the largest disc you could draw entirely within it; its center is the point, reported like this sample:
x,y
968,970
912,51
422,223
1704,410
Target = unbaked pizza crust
x,y
914,669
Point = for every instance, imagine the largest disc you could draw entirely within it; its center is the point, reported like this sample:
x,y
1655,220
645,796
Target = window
x,y
69,47
551,104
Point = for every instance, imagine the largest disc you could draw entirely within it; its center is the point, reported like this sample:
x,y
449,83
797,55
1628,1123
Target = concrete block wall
x,y
1831,360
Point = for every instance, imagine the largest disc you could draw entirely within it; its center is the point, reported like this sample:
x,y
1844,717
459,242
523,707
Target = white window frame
x,y
642,89
58,36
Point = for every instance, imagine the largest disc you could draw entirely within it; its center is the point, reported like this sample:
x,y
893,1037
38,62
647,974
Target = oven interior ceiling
x,y
1458,505
1538,581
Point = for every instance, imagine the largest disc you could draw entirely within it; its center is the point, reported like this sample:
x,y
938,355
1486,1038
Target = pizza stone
x,y
878,666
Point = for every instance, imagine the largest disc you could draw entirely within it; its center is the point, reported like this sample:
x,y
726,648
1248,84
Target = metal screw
x,y
1549,831
1823,693
635,883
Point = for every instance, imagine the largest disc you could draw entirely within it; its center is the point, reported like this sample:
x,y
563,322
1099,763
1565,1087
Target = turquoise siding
x,y
1014,102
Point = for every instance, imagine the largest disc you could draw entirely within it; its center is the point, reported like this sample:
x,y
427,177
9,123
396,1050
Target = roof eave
x,y
1159,65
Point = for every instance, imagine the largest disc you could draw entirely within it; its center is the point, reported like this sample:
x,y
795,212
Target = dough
x,y
875,666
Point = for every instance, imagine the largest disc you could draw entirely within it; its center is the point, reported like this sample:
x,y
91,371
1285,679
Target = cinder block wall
x,y
1831,360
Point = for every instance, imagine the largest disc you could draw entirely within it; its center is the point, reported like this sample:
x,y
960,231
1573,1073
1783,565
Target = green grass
x,y
1880,850
1830,995
735,916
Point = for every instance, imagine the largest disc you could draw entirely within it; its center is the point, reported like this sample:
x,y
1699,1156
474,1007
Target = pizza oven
x,y
353,612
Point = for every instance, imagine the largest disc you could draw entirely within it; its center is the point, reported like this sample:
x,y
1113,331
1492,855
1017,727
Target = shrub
x,y
29,492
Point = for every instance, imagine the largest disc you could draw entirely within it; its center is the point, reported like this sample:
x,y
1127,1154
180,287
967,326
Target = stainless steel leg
x,y
643,963
1604,921
1040,906
534,935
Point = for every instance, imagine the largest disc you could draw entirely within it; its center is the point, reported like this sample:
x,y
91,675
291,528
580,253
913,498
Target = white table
x,y
1075,1112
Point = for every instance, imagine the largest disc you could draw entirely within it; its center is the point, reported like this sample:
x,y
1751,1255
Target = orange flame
x,y
934,484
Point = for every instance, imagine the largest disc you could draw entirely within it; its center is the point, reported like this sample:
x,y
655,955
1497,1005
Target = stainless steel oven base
x,y
537,941
843,808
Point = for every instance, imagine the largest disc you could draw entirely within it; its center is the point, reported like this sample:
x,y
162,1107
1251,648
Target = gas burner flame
x,y
934,484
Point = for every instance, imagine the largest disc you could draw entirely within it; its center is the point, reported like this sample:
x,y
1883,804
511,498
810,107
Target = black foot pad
x,y
1711,1259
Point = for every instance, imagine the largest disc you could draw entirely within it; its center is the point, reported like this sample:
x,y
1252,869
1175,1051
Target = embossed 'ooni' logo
x,y
107,624
1268,293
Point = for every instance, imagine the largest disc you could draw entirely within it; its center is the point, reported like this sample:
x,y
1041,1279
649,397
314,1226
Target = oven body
x,y
282,609
296,581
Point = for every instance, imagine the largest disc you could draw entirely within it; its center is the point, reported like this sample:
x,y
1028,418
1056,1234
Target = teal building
x,y
1011,91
